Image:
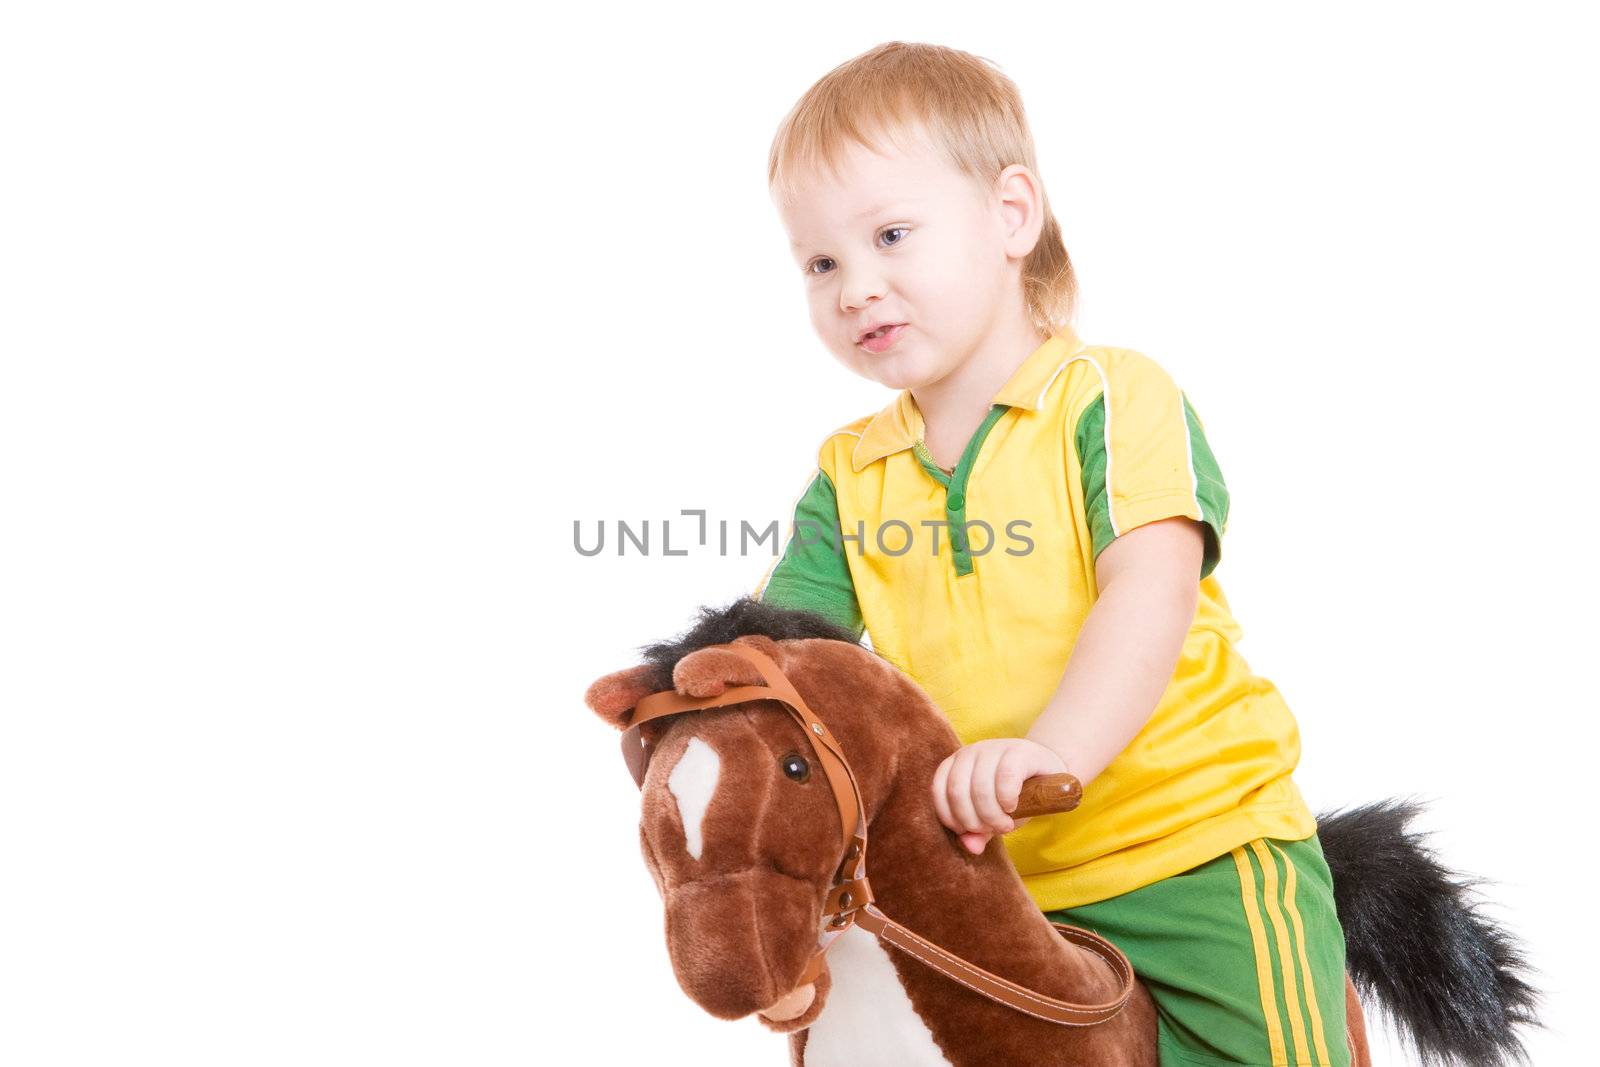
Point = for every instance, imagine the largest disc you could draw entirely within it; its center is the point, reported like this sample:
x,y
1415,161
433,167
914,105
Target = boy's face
x,y
902,237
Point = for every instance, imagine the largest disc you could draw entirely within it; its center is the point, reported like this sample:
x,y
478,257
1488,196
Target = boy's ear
x,y
613,697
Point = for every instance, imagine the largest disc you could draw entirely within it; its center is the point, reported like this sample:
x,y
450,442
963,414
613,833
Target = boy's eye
x,y
811,268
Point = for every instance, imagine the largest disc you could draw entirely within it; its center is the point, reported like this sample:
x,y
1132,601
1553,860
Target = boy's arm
x,y
1145,486
1128,647
1120,666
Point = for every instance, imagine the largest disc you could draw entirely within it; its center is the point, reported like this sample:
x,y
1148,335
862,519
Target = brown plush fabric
x,y
741,921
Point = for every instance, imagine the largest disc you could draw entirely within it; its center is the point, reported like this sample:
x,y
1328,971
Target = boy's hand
x,y
976,786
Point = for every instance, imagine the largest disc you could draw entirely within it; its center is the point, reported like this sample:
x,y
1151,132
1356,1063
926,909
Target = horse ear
x,y
614,696
764,644
710,671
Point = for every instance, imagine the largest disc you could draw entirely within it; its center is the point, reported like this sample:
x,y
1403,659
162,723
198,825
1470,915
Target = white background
x,y
324,322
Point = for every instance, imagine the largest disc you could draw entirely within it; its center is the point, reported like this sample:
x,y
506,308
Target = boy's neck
x,y
953,406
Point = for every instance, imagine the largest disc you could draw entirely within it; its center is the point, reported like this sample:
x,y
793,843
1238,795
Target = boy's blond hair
x,y
970,111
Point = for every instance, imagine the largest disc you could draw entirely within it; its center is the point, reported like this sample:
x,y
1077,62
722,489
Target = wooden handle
x,y
1048,794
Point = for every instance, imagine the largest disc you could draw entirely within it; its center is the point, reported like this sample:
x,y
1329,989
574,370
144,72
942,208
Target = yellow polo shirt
x,y
976,581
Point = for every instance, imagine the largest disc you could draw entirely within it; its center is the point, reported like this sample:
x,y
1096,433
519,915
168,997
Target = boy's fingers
x,y
975,842
959,792
984,771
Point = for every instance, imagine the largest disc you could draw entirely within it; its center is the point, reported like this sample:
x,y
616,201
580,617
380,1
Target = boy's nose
x,y
859,288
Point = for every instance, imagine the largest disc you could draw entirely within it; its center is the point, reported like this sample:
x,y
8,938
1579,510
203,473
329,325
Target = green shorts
x,y
1243,956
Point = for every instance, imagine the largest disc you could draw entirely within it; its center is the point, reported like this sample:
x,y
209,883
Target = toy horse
x,y
742,834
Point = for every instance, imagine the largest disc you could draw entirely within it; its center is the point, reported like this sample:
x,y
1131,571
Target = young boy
x,y
1069,617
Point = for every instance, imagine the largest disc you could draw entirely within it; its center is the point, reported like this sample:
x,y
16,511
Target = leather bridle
x,y
849,900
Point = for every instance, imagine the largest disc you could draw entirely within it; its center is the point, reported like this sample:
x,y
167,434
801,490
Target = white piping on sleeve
x,y
1039,403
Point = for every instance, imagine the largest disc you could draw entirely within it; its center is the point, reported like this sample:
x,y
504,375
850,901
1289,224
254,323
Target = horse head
x,y
739,827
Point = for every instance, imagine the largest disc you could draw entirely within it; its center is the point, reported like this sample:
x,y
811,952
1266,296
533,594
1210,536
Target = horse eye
x,y
795,767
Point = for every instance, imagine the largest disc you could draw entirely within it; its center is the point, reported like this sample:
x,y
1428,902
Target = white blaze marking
x,y
692,783
868,1020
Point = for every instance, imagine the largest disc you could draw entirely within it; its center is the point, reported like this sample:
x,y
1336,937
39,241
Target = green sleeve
x,y
1211,492
813,574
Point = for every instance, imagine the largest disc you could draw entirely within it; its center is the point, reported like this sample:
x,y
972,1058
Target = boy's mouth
x,y
882,338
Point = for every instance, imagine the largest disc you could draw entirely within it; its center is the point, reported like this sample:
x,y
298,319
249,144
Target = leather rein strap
x,y
850,899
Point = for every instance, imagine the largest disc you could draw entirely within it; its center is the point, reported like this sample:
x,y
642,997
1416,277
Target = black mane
x,y
717,626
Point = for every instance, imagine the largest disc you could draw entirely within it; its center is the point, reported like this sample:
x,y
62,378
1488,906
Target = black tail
x,y
1416,944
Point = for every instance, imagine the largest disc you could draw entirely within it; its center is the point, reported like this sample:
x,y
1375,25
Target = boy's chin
x,y
892,372
901,382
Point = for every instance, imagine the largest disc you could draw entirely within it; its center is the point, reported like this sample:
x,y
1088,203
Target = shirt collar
x,y
899,425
